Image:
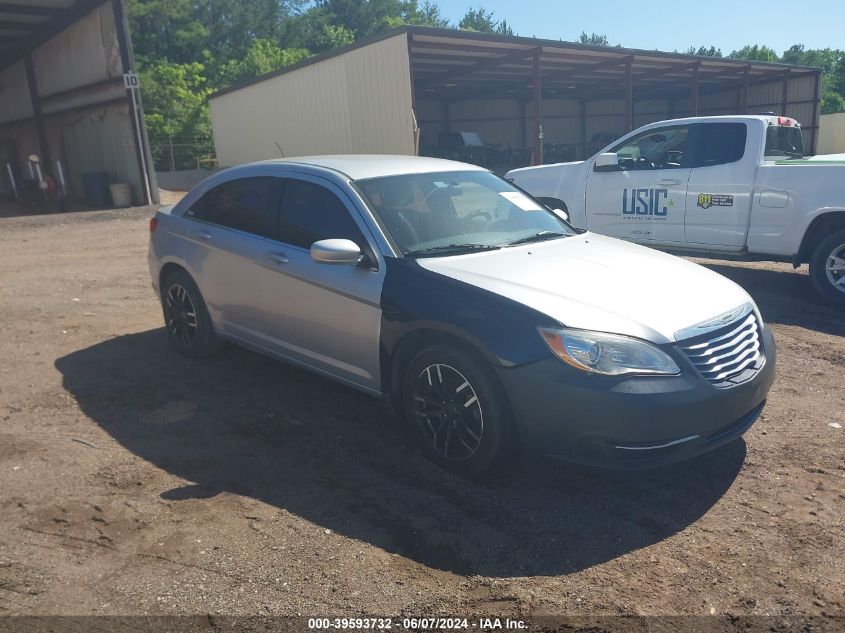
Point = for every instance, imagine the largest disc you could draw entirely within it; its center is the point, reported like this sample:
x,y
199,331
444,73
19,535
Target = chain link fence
x,y
180,153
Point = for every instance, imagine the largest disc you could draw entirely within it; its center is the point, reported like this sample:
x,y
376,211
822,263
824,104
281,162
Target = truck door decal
x,y
646,202
707,200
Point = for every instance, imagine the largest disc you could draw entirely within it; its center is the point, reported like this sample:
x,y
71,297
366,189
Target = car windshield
x,y
784,141
445,213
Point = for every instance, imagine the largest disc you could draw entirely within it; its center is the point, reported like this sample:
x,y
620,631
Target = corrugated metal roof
x,y
447,62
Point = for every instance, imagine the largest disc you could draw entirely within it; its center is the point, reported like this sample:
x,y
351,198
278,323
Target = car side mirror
x,y
608,161
561,214
335,252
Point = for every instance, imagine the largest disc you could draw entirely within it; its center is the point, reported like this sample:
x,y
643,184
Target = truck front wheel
x,y
827,267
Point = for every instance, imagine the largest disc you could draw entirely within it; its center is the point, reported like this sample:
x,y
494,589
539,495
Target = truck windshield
x,y
437,214
784,141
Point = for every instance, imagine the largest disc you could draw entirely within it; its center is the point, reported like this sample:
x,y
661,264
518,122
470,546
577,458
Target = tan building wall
x,y
355,103
832,134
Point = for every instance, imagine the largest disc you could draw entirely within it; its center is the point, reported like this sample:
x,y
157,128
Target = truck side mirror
x,y
608,161
561,214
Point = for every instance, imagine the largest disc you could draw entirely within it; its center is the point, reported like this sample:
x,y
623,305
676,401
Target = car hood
x,y
594,282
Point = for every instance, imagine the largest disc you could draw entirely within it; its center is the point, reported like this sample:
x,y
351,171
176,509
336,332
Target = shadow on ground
x,y
786,297
245,424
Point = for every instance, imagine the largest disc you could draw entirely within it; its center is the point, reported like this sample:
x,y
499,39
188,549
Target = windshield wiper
x,y
433,251
537,237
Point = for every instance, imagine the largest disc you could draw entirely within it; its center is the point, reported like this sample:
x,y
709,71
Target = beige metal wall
x,y
832,134
355,103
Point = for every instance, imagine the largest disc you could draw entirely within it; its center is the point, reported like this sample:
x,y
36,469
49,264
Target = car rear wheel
x,y
458,414
827,267
186,318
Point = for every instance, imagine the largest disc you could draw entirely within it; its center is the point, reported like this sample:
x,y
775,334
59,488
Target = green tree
x,y
593,39
480,20
262,57
703,51
180,30
832,102
832,62
175,106
839,76
166,29
330,37
427,14
503,28
755,53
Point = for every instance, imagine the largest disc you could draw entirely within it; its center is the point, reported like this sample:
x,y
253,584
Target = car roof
x,y
362,166
765,118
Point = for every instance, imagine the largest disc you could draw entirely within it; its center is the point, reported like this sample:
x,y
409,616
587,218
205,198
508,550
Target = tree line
x,y
187,49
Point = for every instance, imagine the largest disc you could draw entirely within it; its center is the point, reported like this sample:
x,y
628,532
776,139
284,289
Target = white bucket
x,y
121,195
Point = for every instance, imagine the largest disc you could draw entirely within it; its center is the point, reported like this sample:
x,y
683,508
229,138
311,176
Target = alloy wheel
x,y
835,268
448,411
181,315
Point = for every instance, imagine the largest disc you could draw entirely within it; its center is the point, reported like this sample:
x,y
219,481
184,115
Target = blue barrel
x,y
96,185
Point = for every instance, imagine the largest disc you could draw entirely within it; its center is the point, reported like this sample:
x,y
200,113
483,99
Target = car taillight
x,y
153,224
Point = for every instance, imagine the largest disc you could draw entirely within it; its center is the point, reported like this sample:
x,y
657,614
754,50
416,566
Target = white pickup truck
x,y
729,186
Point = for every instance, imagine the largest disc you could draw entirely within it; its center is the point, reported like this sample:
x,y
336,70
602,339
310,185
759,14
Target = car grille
x,y
730,355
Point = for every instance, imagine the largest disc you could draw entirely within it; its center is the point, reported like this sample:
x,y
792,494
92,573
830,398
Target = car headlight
x,y
607,354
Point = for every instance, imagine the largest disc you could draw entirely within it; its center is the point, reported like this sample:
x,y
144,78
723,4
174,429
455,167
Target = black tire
x,y
186,318
471,422
824,280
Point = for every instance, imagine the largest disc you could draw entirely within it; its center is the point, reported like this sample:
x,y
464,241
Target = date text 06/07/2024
x,y
422,623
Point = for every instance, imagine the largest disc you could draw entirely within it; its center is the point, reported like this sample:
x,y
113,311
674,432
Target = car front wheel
x,y
827,267
458,414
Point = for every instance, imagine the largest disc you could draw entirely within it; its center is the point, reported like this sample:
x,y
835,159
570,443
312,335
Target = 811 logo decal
x,y
646,203
707,200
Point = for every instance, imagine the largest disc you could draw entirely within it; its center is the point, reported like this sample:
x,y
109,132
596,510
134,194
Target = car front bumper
x,y
631,422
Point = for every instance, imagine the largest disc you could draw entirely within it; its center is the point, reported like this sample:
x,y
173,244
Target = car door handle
x,y
202,235
669,181
278,258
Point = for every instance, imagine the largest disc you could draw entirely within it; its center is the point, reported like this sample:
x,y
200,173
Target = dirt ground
x,y
134,481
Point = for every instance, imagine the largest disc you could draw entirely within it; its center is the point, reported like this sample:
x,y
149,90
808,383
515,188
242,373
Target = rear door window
x,y
310,212
784,141
719,143
243,204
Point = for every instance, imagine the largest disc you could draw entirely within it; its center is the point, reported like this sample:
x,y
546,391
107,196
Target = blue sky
x,y
670,25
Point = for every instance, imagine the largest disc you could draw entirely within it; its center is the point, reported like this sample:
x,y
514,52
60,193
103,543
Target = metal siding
x,y
605,116
14,93
766,97
500,124
358,102
98,140
85,52
717,103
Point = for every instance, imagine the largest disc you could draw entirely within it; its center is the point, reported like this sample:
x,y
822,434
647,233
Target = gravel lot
x,y
134,481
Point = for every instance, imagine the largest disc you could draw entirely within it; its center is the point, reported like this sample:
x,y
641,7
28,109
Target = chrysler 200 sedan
x,y
484,317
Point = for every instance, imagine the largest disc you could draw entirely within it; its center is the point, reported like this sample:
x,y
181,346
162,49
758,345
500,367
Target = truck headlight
x,y
607,354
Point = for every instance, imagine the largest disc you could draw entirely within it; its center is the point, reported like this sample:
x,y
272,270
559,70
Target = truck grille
x,y
730,355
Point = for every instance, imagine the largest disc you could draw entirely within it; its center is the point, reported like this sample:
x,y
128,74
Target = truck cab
x,y
730,185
